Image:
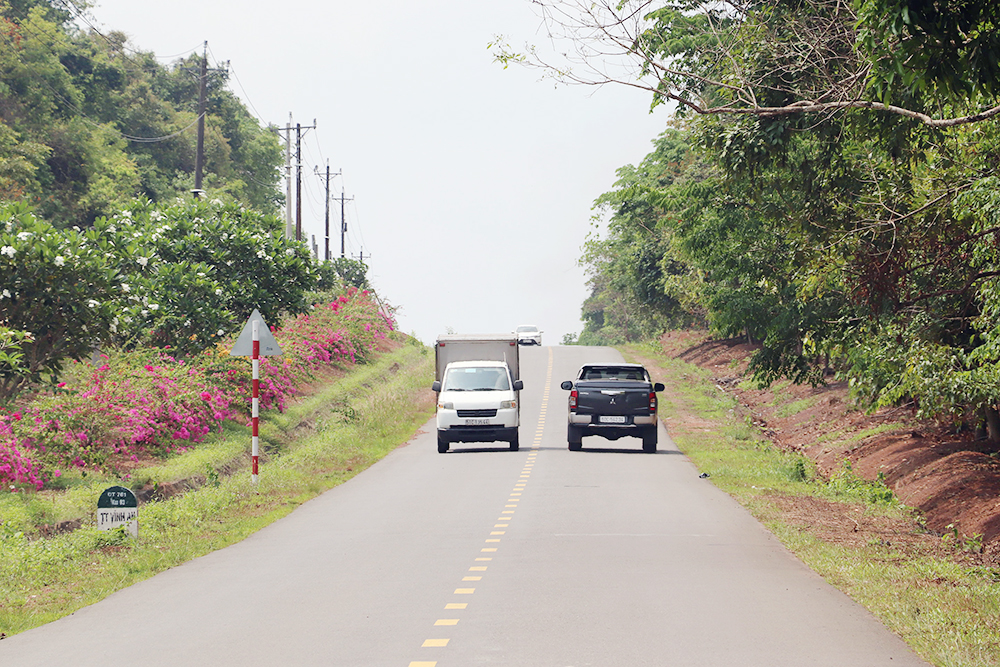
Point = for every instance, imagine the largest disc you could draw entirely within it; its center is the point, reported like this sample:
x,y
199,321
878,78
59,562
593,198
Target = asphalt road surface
x,y
482,556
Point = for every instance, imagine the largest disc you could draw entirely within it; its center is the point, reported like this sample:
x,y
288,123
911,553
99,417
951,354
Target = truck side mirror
x,y
436,385
567,385
518,385
658,386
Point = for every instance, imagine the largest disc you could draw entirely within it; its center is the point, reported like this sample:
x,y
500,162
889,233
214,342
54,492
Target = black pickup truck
x,y
612,401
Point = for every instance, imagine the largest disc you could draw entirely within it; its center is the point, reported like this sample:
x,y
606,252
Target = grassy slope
x,y
947,612
318,443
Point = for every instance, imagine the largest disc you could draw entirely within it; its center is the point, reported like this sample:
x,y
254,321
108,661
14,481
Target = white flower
x,y
154,306
218,291
8,250
112,229
24,236
126,214
290,252
187,323
6,293
260,253
60,260
219,333
143,261
144,312
125,287
217,202
201,274
93,303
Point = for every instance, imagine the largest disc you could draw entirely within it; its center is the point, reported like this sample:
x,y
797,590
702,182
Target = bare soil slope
x,y
952,480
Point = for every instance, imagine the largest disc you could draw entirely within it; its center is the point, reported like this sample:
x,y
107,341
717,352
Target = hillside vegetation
x,y
88,122
827,189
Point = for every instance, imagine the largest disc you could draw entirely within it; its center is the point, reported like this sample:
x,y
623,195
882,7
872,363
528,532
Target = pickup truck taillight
x,y
652,402
572,400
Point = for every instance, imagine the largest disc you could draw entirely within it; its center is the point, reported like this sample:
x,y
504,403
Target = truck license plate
x,y
477,422
613,419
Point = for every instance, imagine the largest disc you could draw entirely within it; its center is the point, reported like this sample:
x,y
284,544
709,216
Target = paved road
x,y
482,556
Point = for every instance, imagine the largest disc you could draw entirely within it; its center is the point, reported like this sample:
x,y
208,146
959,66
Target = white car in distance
x,y
528,334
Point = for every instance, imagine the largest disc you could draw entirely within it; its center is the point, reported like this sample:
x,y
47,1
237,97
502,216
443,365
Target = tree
x,y
768,58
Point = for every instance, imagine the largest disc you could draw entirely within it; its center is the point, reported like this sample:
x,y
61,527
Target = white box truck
x,y
478,385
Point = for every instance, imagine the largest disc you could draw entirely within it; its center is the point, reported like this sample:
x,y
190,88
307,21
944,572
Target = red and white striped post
x,y
255,408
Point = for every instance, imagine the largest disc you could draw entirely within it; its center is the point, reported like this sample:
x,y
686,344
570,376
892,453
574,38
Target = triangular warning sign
x,y
243,347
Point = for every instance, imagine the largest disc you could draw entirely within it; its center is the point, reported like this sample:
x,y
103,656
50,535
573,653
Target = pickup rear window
x,y
612,373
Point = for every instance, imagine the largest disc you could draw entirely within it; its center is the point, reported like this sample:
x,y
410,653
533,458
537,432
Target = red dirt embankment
x,y
951,479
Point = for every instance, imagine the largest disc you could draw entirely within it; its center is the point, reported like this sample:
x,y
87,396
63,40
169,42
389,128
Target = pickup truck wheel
x,y
515,443
574,438
649,440
442,445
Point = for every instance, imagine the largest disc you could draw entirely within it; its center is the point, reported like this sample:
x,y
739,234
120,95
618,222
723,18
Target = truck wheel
x,y
515,443
649,440
442,445
574,437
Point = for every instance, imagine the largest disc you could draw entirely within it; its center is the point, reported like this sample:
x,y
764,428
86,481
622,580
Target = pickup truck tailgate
x,y
613,398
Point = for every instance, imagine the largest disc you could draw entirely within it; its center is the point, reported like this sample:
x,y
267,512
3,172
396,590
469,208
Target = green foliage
x,y
192,272
348,272
867,243
88,123
640,281
58,285
923,47
847,483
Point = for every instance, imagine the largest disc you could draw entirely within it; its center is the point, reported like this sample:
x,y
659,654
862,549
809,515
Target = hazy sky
x,y
472,184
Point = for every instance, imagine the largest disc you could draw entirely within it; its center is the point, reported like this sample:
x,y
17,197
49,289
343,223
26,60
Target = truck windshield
x,y
476,379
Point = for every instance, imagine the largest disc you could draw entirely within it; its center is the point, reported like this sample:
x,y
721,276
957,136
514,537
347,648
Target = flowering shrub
x,y
179,278
147,402
197,268
59,286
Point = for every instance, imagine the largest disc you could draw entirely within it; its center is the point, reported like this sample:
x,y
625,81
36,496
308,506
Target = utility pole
x,y
326,254
326,217
199,159
343,220
199,162
361,255
289,225
298,177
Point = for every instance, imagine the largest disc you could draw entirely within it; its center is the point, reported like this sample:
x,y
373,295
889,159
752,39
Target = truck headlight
x,y
447,405
508,404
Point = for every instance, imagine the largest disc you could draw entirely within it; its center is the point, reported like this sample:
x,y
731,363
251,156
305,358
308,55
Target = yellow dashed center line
x,y
435,642
518,489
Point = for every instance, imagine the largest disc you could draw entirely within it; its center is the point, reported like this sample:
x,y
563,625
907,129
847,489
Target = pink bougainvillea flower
x,y
206,396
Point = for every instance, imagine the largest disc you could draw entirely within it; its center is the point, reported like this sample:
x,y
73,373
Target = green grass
x,y
789,408
947,612
315,445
